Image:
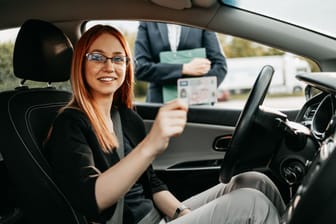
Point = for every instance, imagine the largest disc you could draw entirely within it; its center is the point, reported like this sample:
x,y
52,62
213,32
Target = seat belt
x,y
117,217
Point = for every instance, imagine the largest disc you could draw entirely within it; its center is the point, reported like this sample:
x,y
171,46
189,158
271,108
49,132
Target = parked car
x,y
294,147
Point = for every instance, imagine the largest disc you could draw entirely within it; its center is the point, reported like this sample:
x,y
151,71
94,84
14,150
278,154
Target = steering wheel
x,y
239,153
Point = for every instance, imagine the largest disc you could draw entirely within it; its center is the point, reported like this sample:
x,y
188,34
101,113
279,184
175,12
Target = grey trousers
x,y
249,197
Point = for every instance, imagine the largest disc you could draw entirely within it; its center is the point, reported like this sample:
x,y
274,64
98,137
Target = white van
x,y
242,72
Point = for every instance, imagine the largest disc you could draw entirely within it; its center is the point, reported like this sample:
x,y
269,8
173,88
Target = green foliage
x,y
140,88
7,79
130,36
314,67
234,47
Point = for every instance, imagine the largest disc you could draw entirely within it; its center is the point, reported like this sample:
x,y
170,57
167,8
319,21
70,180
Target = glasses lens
x,y
118,60
96,57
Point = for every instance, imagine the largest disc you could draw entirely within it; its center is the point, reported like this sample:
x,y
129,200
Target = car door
x,y
192,160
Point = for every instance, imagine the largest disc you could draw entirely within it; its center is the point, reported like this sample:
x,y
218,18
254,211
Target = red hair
x,y
82,98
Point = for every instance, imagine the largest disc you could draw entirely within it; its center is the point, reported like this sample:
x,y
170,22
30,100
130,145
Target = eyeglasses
x,y
100,58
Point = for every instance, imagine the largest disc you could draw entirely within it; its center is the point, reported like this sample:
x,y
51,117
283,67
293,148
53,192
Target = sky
x,y
314,15
8,35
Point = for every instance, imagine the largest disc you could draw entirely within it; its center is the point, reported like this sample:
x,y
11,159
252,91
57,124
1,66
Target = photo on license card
x,y
197,91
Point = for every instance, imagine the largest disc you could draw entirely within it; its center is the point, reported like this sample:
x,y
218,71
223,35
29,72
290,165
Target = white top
x,y
174,33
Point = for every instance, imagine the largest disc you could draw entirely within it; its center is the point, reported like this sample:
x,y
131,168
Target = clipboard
x,y
169,92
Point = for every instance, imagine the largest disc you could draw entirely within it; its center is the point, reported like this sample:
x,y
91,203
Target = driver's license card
x,y
197,90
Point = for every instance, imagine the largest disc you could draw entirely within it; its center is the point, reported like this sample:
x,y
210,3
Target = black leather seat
x,y
42,53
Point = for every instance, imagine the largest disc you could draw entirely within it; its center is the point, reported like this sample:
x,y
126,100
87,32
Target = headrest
x,y
42,52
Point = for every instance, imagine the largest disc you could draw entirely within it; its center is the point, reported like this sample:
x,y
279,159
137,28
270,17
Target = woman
x,y
83,143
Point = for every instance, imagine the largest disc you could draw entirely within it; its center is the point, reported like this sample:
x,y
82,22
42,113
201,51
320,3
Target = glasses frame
x,y
126,60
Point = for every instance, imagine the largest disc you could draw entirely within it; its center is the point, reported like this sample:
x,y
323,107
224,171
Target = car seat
x,y
42,53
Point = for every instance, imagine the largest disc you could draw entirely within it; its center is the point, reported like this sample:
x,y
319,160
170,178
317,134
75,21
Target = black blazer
x,y
77,159
152,38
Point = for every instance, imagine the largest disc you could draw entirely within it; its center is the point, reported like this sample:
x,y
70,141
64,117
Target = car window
x,y
301,13
244,59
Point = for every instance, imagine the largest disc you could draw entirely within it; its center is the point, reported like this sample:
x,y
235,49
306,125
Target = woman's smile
x,y
107,78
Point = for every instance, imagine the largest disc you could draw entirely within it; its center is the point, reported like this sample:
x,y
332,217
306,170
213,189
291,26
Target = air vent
x,y
309,114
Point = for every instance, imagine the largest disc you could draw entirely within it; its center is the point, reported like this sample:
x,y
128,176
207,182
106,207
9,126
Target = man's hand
x,y
196,67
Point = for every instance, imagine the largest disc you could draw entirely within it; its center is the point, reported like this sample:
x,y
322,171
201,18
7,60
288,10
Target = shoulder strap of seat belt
x,y
117,217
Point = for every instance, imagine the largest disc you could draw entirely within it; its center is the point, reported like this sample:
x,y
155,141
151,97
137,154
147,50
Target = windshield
x,y
314,15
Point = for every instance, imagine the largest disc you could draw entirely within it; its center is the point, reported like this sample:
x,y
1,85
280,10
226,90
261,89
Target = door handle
x,y
222,143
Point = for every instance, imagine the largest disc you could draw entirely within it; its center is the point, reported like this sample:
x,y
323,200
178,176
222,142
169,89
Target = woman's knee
x,y
261,182
249,205
251,178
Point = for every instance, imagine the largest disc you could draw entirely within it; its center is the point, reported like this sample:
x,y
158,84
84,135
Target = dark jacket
x,y
152,38
77,159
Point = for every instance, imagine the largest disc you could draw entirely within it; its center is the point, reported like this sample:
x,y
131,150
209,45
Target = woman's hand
x,y
170,121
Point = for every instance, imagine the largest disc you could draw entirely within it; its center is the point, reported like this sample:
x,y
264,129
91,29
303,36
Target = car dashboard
x,y
315,198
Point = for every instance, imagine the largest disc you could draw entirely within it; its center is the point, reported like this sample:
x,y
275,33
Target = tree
x,y
7,78
237,47
140,87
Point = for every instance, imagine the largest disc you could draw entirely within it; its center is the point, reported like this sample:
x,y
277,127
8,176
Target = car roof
x,y
208,14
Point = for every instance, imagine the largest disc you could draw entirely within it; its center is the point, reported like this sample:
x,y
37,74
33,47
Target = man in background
x,y
154,38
